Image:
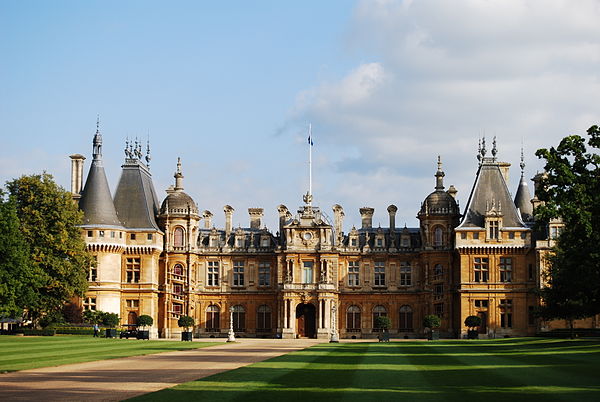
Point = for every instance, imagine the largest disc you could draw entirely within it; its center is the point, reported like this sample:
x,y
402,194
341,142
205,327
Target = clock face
x,y
307,235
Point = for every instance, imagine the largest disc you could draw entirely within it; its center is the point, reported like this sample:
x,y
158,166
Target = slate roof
x,y
135,199
523,200
490,187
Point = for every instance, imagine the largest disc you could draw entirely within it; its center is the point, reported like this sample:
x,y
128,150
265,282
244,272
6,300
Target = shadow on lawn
x,y
451,371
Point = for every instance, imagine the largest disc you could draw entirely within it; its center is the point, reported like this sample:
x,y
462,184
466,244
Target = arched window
x,y
178,269
378,311
239,318
406,318
212,318
439,237
178,237
438,271
263,322
353,319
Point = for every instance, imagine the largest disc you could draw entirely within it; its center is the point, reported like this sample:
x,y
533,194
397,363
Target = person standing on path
x,y
96,330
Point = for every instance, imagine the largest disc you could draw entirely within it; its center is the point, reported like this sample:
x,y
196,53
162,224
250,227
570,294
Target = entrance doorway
x,y
132,318
306,318
483,326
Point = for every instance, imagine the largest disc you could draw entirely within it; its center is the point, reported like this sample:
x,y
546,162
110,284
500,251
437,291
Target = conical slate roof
x,y
490,189
135,199
523,200
96,201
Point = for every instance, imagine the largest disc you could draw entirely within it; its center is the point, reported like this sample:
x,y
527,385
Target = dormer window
x,y
264,242
354,242
239,242
438,237
493,230
379,242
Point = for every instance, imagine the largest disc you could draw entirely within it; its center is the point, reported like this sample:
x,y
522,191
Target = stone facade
x,y
310,279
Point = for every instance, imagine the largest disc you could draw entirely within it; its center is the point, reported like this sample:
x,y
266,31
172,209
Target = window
x,y
213,274
112,235
132,268
530,272
178,269
307,272
101,233
239,242
354,242
379,242
405,241
238,273
178,289
463,235
93,272
263,315
523,235
438,290
149,236
438,309
90,233
405,274
120,235
353,319
89,304
353,273
133,303
439,237
379,273
481,303
438,271
212,318
265,242
178,237
264,274
493,229
239,318
132,236
506,313
481,268
378,311
177,308
476,236
511,235
214,242
505,269
406,318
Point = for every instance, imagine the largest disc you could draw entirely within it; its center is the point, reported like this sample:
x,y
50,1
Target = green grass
x,y
508,370
21,353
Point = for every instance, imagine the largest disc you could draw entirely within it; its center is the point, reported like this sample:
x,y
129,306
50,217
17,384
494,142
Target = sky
x,y
231,87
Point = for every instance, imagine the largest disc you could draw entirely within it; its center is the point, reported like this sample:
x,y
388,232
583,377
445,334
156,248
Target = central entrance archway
x,y
306,319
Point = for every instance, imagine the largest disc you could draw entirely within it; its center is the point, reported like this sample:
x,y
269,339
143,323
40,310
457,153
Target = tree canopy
x,y
570,190
52,264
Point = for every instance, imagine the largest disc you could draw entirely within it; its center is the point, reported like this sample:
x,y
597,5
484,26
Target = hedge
x,y
75,331
38,332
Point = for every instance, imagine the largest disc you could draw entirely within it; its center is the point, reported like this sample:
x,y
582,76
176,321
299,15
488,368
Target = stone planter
x,y
143,334
472,334
186,336
111,332
434,335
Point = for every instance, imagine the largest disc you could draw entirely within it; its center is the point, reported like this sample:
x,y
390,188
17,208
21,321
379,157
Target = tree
x,y
570,190
59,260
185,321
472,322
16,274
145,321
431,321
111,320
383,322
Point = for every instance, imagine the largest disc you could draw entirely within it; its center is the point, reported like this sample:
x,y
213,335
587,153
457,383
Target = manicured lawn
x,y
508,370
26,352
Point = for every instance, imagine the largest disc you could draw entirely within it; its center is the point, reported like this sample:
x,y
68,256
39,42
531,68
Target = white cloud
x,y
442,73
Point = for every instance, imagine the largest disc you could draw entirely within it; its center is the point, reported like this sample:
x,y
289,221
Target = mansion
x,y
164,258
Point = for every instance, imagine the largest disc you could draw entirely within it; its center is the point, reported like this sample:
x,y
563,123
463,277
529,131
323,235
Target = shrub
x,y
145,321
432,321
111,320
472,321
383,322
38,332
74,331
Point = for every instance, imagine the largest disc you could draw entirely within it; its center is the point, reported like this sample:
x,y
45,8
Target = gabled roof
x,y
135,199
490,189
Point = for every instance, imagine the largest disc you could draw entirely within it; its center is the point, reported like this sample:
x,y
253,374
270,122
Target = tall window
x,y
132,268
353,271
177,308
493,229
213,273
239,318
378,311
506,313
212,318
264,274
93,272
307,272
263,322
438,309
481,268
405,273
178,237
406,318
438,271
178,269
506,269
238,273
177,289
379,270
438,290
438,237
89,303
353,319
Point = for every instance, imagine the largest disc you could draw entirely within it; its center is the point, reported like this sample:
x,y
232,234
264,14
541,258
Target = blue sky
x,y
230,87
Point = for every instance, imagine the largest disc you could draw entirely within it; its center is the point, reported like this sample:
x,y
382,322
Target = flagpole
x,y
310,160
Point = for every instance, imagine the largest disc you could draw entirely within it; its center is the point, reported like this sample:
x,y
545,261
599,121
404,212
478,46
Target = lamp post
x,y
231,334
334,334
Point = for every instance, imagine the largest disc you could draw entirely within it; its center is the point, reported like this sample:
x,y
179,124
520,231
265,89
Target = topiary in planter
x,y
185,321
432,321
472,322
144,321
111,320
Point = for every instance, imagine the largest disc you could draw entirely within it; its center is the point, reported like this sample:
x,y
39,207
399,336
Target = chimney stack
x,y
255,217
392,209
207,215
366,215
228,209
76,174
